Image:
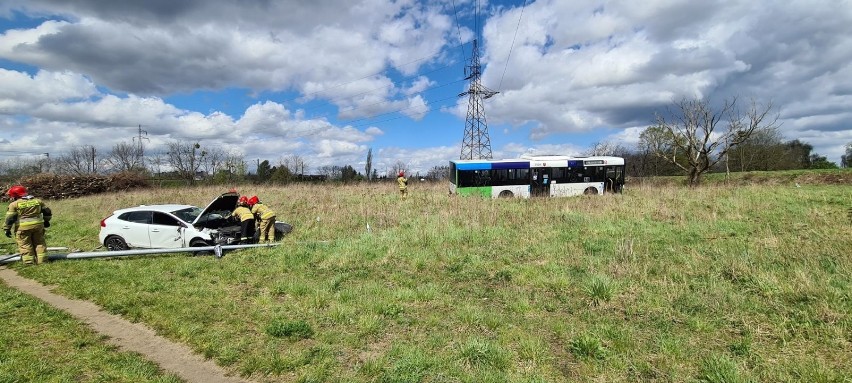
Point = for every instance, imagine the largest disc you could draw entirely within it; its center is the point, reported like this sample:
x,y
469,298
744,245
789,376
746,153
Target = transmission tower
x,y
476,143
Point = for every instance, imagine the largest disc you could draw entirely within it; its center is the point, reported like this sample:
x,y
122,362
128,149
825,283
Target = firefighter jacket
x,y
262,211
25,212
403,182
242,213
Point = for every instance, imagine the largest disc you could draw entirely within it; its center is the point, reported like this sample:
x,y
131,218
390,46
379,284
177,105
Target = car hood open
x,y
222,205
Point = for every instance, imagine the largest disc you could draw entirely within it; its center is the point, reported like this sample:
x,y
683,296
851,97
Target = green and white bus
x,y
530,176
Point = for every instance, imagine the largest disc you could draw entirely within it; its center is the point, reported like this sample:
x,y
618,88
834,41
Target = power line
x,y
458,28
511,47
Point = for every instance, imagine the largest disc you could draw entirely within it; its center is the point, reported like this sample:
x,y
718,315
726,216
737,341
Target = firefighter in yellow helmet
x,y
403,184
246,218
29,216
266,216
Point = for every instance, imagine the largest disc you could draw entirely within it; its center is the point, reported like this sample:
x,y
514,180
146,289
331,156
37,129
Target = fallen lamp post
x,y
218,251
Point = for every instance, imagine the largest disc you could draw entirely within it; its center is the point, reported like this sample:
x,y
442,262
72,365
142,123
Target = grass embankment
x,y
772,178
41,344
717,284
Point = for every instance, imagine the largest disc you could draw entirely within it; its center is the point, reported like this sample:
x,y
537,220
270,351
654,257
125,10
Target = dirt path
x,y
173,357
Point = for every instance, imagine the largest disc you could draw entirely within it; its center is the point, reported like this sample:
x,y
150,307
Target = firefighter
x,y
265,217
403,184
30,216
246,218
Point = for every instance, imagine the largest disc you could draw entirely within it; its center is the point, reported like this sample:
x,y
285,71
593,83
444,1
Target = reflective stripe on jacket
x,y
262,211
26,212
243,213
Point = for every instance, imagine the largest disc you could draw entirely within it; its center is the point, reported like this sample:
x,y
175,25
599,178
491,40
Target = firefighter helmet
x,y
253,200
17,191
401,173
243,201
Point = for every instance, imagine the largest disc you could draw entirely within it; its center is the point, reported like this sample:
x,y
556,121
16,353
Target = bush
x,y
52,186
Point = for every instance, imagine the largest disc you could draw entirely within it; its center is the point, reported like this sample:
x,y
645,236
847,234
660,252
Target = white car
x,y
171,226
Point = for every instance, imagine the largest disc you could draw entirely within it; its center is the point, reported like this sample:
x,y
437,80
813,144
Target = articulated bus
x,y
531,176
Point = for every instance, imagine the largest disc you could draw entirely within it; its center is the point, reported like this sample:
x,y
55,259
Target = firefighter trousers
x,y
31,243
267,230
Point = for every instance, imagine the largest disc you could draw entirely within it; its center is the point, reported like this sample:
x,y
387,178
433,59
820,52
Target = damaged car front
x,y
215,220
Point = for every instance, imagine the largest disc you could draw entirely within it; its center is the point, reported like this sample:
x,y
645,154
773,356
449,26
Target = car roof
x,y
165,208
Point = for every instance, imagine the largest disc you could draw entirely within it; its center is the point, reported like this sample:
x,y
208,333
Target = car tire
x,y
198,242
115,243
590,190
506,194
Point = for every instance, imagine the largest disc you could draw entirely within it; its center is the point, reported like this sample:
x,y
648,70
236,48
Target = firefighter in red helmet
x,y
29,216
403,183
266,217
246,218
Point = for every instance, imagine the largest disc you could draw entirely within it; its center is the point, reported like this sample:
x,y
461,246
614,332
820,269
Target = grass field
x,y
662,283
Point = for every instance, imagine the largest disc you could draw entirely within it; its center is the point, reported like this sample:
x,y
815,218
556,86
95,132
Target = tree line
x,y
691,137
190,162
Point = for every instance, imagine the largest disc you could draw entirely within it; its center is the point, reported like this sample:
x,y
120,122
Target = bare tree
x,y
295,163
605,148
332,172
156,163
440,173
399,166
78,161
764,150
214,160
234,164
185,159
695,138
126,156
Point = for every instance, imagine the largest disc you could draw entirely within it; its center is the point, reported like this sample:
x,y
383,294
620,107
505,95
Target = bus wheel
x,y
506,194
590,190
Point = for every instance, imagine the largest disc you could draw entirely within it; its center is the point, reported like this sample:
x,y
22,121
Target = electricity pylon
x,y
476,143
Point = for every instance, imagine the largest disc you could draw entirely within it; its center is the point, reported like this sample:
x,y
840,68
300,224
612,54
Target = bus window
x,y
467,178
483,178
594,174
522,174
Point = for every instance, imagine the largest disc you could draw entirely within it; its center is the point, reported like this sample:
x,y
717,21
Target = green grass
x,y
42,344
716,284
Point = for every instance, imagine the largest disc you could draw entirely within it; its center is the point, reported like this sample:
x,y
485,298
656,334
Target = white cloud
x,y
591,67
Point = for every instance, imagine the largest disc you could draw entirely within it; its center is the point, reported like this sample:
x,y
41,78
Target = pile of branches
x,y
52,186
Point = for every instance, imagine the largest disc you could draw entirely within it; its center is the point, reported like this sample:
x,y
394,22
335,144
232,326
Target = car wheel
x,y
590,190
506,194
115,243
199,243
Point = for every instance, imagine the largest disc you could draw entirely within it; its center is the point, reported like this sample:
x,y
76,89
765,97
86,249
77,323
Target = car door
x,y
134,228
165,232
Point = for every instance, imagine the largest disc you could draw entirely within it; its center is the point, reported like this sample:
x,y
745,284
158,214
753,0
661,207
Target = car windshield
x,y
188,214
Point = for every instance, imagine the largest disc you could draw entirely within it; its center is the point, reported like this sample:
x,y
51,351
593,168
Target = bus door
x,y
614,181
541,179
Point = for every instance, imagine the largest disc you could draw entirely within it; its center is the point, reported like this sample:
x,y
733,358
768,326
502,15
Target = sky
x,y
328,80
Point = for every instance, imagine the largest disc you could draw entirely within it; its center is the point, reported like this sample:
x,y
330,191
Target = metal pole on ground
x,y
217,251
